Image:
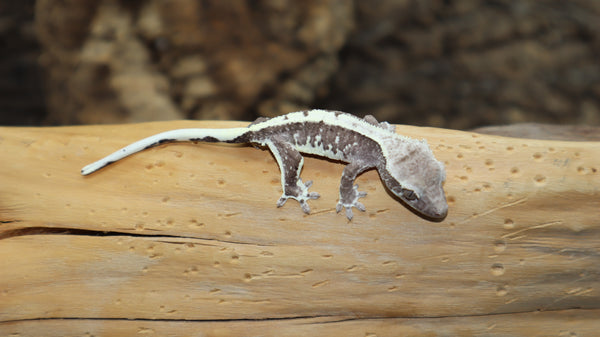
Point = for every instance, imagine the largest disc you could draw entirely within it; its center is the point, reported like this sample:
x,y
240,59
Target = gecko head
x,y
414,175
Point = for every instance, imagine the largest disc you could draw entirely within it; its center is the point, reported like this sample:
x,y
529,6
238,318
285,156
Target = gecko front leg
x,y
290,163
349,193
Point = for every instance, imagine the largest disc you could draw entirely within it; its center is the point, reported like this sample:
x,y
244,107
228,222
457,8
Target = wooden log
x,y
185,238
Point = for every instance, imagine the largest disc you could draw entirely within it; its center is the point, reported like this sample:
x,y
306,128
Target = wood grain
x,y
185,238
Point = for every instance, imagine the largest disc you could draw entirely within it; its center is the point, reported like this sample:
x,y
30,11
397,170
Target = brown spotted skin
x,y
407,166
364,144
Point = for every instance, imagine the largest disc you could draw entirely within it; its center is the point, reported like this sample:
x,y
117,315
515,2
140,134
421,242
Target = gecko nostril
x,y
441,213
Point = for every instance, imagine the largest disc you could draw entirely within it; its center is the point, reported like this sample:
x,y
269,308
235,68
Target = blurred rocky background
x,y
454,63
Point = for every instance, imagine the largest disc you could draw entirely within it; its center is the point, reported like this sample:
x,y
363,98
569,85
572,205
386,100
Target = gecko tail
x,y
231,135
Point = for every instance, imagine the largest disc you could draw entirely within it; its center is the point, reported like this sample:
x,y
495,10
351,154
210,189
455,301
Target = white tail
x,y
231,135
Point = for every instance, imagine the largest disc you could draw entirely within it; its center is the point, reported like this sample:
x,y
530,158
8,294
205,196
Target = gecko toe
x,y
281,201
348,206
357,193
349,214
301,196
305,207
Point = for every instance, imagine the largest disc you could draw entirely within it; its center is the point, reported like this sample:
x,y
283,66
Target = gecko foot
x,y
300,193
351,200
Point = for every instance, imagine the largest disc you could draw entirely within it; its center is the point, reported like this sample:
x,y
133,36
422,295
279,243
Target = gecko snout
x,y
434,208
441,212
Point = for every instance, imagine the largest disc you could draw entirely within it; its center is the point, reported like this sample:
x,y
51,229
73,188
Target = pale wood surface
x,y
185,239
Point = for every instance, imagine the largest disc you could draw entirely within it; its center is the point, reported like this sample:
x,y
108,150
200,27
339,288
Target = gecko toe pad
x,y
351,200
300,193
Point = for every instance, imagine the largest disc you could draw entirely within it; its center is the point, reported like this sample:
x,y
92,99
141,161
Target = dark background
x,y
455,64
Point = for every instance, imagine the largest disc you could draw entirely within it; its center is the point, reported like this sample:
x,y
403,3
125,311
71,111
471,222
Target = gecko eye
x,y
409,194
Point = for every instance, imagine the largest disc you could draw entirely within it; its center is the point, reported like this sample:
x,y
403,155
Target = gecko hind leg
x,y
349,193
290,163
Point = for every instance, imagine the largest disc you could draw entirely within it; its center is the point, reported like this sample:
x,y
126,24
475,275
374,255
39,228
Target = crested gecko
x,y
406,166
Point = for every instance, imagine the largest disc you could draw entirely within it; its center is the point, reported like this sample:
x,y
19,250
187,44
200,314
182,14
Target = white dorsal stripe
x,y
348,121
407,166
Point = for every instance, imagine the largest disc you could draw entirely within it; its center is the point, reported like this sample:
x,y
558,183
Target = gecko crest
x,y
406,166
